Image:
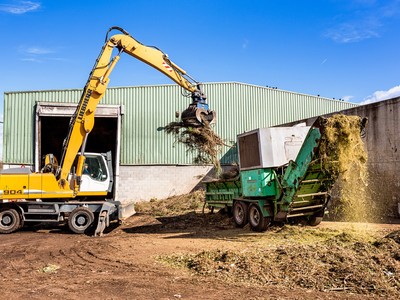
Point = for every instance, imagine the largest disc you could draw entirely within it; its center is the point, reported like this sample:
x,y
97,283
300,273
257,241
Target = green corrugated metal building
x,y
131,122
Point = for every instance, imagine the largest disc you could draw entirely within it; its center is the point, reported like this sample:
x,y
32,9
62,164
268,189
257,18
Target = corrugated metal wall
x,y
240,107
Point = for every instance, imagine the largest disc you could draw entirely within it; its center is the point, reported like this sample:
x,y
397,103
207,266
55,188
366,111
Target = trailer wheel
x,y
10,221
80,220
240,214
314,221
256,218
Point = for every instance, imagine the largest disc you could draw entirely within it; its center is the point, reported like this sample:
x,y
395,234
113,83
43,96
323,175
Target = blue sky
x,y
344,49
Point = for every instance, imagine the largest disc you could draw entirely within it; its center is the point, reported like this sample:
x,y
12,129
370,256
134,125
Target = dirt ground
x,y
51,263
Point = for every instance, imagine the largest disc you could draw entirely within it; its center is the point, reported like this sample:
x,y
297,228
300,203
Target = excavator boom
x,y
78,193
82,121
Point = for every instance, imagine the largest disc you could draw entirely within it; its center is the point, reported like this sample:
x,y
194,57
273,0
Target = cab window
x,y
95,168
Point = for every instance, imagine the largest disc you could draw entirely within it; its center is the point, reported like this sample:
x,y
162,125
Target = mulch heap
x,y
201,141
329,261
173,205
183,211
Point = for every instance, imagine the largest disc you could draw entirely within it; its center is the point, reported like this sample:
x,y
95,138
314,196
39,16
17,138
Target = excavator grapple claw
x,y
194,116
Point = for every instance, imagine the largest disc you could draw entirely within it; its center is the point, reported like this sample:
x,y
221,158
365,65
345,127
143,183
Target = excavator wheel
x,y
80,220
10,220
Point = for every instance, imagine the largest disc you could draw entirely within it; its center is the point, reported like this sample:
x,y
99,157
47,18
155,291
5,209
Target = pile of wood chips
x,y
330,261
344,156
172,205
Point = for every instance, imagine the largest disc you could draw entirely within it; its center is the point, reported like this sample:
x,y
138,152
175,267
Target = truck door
x,y
96,176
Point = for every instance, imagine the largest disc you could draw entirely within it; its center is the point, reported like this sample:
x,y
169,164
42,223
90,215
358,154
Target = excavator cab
x,y
198,113
50,164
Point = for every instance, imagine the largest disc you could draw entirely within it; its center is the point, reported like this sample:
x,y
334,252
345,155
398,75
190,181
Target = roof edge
x,y
174,84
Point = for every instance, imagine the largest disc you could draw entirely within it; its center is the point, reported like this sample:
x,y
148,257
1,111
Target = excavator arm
x,y
82,121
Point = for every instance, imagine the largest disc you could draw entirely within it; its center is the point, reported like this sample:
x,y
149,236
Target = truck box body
x,y
270,147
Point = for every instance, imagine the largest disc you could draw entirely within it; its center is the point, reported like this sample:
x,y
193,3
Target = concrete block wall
x,y
136,183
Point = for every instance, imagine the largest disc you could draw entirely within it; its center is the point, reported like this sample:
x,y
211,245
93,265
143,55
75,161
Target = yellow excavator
x,y
59,193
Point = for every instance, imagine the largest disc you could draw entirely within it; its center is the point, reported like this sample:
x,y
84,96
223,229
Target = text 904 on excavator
x,y
63,192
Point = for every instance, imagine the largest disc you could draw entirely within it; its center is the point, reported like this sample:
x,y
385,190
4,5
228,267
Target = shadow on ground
x,y
189,225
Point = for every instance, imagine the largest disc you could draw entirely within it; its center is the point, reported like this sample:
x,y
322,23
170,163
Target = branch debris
x,y
201,141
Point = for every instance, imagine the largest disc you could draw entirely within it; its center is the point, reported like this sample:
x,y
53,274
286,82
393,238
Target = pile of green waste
x,y
173,205
201,141
326,260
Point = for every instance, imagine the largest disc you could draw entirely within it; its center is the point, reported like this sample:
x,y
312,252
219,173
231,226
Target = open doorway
x,y
54,129
52,123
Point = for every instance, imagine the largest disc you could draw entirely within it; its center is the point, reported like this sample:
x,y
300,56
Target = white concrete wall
x,y
136,183
10,166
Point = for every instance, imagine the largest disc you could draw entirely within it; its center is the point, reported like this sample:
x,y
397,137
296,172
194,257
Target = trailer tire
x,y
256,218
80,220
314,221
240,213
10,221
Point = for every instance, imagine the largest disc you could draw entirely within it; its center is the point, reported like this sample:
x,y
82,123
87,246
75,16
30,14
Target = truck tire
x,y
314,221
240,213
80,220
10,220
256,218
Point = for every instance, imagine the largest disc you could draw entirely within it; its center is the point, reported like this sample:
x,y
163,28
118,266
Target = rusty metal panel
x,y
147,109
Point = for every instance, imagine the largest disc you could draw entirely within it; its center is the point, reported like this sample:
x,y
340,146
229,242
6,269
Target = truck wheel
x,y
256,218
80,220
10,221
240,214
314,221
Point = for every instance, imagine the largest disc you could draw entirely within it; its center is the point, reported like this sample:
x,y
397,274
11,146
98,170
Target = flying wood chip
x,y
344,156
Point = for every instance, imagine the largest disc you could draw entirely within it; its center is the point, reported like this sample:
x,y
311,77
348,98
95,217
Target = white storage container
x,y
270,147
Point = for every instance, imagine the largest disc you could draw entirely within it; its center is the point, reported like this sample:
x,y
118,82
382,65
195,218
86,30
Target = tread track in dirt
x,y
123,265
